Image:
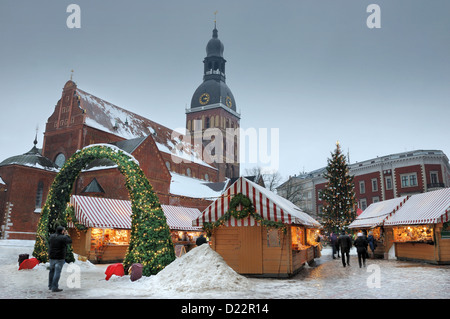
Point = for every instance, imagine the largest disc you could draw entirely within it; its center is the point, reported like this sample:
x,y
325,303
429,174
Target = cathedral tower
x,y
213,106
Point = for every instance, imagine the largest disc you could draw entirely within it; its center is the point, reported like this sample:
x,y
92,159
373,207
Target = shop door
x,y
250,261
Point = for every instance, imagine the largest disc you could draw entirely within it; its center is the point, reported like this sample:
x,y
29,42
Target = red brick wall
x,y
22,183
369,193
409,170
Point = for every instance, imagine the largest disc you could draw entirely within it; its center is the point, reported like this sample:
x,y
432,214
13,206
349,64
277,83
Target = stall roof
x,y
268,204
377,213
116,213
426,208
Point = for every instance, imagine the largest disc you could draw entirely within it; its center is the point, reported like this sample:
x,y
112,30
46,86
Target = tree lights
x,y
338,195
150,240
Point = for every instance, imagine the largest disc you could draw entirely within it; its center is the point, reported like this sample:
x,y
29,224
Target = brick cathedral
x,y
174,166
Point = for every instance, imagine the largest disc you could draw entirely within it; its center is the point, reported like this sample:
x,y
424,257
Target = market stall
x,y
259,233
421,228
372,220
102,229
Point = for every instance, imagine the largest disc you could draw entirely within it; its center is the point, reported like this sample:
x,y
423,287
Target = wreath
x,y
246,210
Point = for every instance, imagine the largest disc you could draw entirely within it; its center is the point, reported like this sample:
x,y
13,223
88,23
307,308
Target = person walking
x,y
334,245
361,248
345,243
372,243
57,254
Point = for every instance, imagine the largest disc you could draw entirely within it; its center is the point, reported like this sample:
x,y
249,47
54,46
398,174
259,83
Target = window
x,y
434,179
168,165
206,177
375,199
188,172
362,187
388,182
374,185
39,194
408,180
363,204
60,159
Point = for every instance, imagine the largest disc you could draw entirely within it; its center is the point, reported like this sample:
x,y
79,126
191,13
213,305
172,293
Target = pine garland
x,y
150,240
247,210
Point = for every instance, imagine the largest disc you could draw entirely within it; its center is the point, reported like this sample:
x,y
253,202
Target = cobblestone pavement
x,y
326,279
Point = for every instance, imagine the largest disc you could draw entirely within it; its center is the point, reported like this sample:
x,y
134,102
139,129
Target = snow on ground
x,y
202,273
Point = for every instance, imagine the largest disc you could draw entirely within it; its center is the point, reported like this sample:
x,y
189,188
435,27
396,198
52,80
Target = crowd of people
x,y
342,244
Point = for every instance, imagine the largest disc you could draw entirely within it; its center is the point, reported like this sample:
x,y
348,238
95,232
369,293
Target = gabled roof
x,y
267,204
116,213
377,213
425,208
107,117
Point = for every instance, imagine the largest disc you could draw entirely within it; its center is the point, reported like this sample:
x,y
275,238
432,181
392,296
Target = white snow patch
x,y
200,269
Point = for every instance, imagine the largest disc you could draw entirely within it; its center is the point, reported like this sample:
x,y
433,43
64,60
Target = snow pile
x,y
200,269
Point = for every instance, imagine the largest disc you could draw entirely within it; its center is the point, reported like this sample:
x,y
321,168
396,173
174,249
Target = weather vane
x,y
71,74
215,17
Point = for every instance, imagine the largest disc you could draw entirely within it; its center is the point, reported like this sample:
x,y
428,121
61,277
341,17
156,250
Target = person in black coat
x,y
201,240
345,243
57,254
361,248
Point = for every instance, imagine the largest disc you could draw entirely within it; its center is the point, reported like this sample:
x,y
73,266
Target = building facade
x,y
376,179
174,165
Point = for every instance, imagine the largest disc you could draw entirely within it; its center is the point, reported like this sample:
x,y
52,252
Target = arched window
x,y
168,165
60,159
188,172
39,194
206,177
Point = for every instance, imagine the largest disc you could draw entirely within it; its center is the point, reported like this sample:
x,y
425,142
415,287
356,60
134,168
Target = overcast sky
x,y
312,69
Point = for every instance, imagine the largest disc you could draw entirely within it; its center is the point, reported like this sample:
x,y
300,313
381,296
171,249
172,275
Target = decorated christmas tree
x,y
338,196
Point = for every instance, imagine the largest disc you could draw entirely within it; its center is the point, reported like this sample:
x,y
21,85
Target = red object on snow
x,y
359,211
28,263
115,269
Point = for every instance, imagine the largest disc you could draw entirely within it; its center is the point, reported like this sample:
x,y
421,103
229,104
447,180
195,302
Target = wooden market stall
x,y
372,220
274,242
421,228
106,223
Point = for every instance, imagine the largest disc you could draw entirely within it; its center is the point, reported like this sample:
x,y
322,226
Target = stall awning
x,y
426,208
115,213
267,204
377,213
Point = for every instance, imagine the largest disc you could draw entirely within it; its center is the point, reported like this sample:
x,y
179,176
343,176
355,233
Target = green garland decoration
x,y
150,240
247,209
70,216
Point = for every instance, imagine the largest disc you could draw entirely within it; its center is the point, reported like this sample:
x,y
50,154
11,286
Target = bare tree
x,y
271,180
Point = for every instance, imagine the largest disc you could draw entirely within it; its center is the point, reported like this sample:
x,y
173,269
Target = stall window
x,y
421,233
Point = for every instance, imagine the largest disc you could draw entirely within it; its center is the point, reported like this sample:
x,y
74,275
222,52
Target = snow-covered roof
x,y
425,208
268,204
377,213
107,117
195,188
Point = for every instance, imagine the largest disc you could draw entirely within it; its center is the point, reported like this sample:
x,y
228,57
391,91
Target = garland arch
x,y
150,240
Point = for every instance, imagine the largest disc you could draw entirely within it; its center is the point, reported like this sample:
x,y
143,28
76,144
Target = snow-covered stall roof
x,y
377,213
107,117
116,213
426,208
267,204
195,188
